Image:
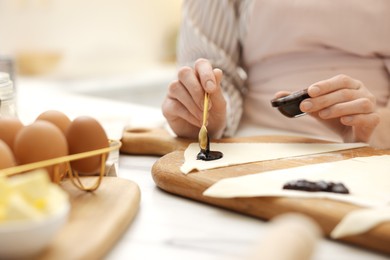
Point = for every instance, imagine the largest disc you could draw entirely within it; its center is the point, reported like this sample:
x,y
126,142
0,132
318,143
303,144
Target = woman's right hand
x,y
183,105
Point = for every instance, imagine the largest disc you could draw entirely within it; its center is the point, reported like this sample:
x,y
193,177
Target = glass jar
x,y
7,96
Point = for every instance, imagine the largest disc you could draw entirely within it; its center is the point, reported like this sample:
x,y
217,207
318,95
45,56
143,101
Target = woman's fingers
x,y
327,100
363,126
280,94
178,92
199,80
217,115
361,120
344,101
189,80
205,73
327,93
354,107
333,84
175,111
216,96
183,105
337,96
179,106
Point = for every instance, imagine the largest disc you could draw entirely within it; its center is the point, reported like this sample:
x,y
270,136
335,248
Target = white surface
x,y
92,37
166,226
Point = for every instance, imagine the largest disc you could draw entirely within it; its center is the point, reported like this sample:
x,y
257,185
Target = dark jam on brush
x,y
207,155
305,185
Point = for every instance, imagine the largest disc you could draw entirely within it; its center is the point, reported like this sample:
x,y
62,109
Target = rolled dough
x,y
240,153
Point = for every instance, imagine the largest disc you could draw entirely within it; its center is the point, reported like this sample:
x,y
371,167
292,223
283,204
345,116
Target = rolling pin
x,y
290,236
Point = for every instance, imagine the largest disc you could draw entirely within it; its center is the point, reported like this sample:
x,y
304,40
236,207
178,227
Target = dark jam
x,y
207,155
305,185
289,105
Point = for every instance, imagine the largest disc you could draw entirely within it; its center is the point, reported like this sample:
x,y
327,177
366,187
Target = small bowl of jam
x,y
289,105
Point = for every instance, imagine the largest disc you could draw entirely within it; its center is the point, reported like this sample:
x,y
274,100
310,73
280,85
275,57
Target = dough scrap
x,y
360,221
240,153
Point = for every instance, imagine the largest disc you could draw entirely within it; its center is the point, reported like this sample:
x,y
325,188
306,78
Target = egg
x,y
7,158
86,134
56,117
40,141
9,126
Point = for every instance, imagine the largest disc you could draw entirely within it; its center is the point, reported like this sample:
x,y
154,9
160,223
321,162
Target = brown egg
x,y
6,156
40,141
9,126
58,118
86,134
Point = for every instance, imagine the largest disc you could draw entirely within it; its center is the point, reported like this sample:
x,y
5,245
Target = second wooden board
x,y
97,219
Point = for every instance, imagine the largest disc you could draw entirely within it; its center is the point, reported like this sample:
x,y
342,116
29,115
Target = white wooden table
x,y
167,226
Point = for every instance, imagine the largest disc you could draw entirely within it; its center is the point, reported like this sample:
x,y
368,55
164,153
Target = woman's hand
x,y
183,105
345,105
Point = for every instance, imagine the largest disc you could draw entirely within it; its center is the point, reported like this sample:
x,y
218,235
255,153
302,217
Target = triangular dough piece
x,y
240,153
367,179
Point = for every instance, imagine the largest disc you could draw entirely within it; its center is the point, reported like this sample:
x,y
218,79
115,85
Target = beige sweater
x,y
265,46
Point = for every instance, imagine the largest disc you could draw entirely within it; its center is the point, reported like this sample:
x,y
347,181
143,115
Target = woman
x,y
339,50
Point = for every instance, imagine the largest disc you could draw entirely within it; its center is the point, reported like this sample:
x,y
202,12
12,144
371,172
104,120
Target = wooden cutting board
x,y
166,174
151,141
97,219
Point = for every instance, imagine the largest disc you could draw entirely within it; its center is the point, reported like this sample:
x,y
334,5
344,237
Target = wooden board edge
x,y
61,246
123,226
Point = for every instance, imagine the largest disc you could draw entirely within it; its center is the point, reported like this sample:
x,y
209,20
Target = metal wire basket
x,y
73,175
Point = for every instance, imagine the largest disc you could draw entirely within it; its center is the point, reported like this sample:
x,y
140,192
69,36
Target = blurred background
x,y
88,37
92,45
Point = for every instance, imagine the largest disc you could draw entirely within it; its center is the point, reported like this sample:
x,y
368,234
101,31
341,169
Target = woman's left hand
x,y
344,104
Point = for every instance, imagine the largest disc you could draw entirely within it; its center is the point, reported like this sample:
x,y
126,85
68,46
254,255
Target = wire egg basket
x,y
59,173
